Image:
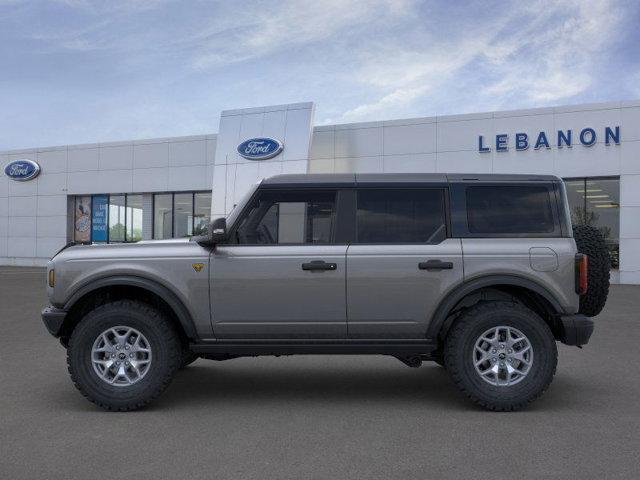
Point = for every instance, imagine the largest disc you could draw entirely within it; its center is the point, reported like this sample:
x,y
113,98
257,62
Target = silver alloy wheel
x,y
121,356
503,356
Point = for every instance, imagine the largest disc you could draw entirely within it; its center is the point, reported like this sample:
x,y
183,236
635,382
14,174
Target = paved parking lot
x,y
316,417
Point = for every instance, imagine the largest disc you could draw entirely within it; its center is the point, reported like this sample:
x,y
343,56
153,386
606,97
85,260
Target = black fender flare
x,y
178,307
450,301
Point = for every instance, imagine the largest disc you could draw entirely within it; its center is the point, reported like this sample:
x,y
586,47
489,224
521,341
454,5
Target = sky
x,y
80,71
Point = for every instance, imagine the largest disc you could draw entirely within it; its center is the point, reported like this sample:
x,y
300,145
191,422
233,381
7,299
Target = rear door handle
x,y
319,265
435,265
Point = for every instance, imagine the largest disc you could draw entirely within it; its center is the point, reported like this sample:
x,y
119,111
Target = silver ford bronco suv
x,y
481,274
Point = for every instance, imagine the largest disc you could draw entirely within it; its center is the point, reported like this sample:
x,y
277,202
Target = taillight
x,y
582,268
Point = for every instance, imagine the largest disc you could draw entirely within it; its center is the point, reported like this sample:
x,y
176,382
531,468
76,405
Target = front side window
x,y
288,218
512,209
401,216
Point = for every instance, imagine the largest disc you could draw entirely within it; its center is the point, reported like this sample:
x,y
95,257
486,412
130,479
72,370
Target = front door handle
x,y
435,265
319,265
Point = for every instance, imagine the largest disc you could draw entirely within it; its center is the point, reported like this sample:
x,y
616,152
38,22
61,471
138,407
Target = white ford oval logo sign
x,y
260,148
22,170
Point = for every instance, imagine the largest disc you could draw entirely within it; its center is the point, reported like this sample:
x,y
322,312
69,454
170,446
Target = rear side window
x,y
401,216
509,209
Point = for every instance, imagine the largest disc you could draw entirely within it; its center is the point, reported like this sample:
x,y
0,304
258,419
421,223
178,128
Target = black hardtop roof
x,y
352,180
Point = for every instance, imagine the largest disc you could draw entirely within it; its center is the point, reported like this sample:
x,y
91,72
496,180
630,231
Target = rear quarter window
x,y
509,209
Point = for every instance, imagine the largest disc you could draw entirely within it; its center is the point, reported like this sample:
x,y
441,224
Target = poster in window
x,y
82,223
99,208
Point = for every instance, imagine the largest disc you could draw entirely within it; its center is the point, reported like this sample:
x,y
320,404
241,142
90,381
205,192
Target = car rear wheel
x,y
122,355
501,355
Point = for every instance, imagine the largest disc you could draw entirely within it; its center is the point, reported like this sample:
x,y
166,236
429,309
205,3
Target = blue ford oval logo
x,y
260,148
22,170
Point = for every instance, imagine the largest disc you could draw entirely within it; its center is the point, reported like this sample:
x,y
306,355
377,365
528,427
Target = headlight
x,y
52,277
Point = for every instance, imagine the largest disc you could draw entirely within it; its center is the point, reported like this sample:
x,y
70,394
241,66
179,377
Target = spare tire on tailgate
x,y
590,242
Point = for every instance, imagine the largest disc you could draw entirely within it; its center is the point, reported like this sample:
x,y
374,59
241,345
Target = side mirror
x,y
218,230
216,233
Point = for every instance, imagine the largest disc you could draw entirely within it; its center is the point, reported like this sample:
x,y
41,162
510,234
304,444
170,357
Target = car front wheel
x,y
123,354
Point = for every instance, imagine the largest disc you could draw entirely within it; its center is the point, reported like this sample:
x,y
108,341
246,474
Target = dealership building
x,y
170,187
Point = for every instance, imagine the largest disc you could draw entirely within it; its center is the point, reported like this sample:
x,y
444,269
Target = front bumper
x,y
575,329
53,319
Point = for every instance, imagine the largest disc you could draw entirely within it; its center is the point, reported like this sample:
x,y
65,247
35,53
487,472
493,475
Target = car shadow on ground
x,y
207,384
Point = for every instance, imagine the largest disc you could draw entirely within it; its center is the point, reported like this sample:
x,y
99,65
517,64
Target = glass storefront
x,y
119,217
596,201
183,214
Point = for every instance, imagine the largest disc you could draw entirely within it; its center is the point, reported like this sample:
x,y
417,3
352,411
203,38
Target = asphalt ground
x,y
334,417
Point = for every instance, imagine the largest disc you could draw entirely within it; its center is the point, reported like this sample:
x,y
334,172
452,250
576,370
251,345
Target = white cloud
x,y
254,33
544,51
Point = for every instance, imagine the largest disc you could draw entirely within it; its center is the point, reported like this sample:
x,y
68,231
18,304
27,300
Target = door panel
x,y
263,291
390,295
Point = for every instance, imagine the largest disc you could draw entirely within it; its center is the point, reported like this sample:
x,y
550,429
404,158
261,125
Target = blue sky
x,y
77,71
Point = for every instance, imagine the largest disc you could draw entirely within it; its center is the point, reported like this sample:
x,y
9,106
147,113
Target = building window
x,y
108,218
201,212
162,215
596,202
82,219
117,218
134,218
180,214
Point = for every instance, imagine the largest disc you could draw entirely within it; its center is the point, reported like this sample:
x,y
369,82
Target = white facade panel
x,y
358,165
117,157
151,155
22,227
83,159
52,226
46,247
358,142
21,207
53,161
21,247
419,162
150,180
188,153
630,157
408,139
23,189
188,178
322,145
464,162
630,119
101,181
51,205
52,183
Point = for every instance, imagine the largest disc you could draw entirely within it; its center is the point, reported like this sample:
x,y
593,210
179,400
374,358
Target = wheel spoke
x,y
121,370
497,345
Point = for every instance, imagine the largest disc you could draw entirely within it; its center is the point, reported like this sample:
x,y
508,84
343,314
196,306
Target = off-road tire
x,y
188,357
162,337
590,242
460,343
